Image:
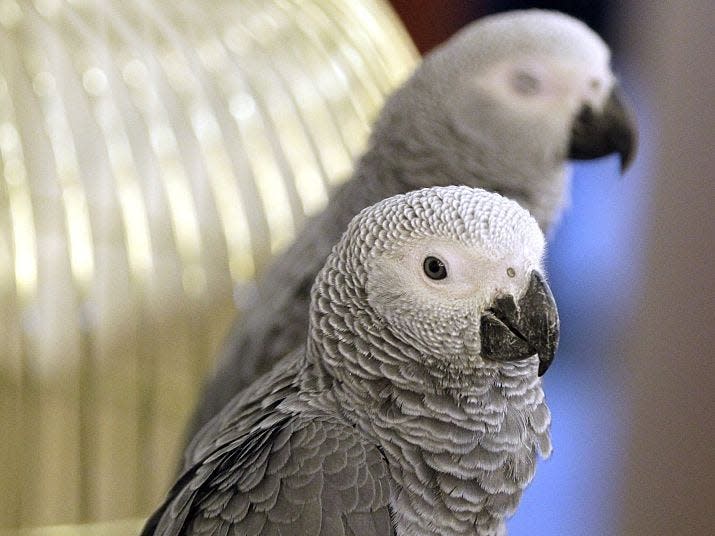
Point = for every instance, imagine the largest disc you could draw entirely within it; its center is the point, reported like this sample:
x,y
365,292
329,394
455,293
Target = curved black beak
x,y
513,331
612,130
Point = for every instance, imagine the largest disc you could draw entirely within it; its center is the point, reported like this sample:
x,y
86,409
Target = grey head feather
x,y
381,426
457,120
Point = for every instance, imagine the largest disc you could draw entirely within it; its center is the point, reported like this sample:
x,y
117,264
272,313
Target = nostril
x,y
586,114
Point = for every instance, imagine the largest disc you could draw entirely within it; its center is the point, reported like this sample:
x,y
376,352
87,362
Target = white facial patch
x,y
432,284
534,85
473,276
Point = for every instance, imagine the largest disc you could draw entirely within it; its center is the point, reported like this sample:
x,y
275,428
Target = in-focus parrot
x,y
414,408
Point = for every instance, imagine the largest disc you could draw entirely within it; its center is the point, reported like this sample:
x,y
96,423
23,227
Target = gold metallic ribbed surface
x,y
153,155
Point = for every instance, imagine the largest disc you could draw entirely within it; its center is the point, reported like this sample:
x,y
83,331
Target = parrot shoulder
x,y
288,474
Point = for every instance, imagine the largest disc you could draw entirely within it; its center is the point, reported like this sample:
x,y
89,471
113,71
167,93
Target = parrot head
x,y
510,99
450,277
540,78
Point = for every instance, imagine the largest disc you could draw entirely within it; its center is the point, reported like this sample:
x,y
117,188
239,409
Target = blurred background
x,y
155,154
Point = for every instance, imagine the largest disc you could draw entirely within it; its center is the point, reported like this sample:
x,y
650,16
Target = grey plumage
x,y
501,106
389,420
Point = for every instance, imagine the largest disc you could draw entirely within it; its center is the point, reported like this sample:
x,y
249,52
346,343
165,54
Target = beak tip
x,y
627,144
544,365
625,162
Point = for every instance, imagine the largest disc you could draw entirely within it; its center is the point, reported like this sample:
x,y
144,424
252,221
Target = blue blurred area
x,y
594,263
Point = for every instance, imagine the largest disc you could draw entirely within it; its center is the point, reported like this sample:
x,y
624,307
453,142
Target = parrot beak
x,y
513,331
595,134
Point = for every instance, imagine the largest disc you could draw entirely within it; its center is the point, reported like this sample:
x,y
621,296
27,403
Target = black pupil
x,y
434,268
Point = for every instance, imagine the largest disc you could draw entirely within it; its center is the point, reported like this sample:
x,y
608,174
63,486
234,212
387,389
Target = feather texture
x,y
368,429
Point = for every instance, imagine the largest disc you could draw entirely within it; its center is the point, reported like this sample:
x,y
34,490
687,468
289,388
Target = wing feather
x,y
286,475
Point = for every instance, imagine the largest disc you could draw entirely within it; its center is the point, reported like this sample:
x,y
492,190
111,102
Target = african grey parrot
x,y
416,405
500,106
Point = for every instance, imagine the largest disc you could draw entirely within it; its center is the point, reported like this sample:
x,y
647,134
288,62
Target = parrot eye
x,y
525,83
434,268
